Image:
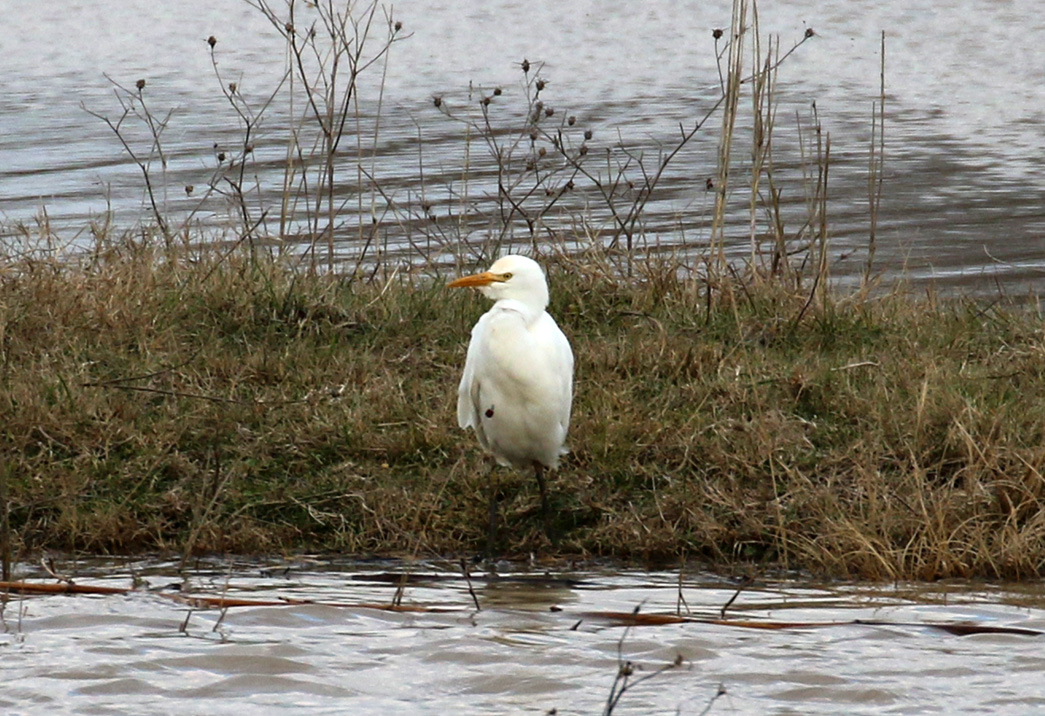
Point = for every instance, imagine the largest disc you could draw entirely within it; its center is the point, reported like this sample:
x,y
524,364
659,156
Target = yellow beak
x,y
478,279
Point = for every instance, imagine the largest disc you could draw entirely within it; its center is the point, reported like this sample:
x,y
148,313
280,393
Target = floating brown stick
x,y
59,588
204,602
200,601
957,628
633,618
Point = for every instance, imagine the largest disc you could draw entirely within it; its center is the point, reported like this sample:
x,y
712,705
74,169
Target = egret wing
x,y
468,389
561,369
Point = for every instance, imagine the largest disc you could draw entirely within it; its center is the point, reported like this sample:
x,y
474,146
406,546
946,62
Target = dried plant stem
x,y
468,580
876,167
217,488
734,76
133,104
623,680
5,524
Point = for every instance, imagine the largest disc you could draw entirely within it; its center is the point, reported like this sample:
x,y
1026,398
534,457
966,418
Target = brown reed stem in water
x,y
623,682
471,590
680,600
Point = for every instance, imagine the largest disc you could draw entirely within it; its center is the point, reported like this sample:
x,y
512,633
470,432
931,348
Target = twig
x,y
220,480
744,584
626,669
397,596
680,601
48,564
128,102
143,376
711,702
468,579
861,364
183,394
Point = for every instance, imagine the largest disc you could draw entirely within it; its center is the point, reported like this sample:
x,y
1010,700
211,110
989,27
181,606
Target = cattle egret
x,y
517,387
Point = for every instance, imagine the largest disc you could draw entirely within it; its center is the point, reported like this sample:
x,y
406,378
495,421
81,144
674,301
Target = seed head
x,y
486,101
571,121
584,149
541,85
221,156
233,87
189,189
212,41
525,65
717,33
809,32
541,152
398,26
140,84
437,101
587,134
549,111
497,91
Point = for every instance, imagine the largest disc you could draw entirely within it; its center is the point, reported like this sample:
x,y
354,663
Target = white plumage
x,y
517,387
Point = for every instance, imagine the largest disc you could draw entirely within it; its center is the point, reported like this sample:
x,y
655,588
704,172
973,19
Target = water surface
x,y
534,646
964,201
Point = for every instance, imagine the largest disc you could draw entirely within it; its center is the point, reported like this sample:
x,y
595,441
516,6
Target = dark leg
x,y
538,469
491,537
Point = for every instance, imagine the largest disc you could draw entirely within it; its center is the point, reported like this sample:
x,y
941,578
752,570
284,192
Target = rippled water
x,y
964,195
535,644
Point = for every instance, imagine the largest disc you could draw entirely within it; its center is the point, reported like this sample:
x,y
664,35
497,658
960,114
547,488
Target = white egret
x,y
517,387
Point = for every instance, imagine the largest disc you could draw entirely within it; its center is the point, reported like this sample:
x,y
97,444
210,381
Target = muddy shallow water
x,y
540,641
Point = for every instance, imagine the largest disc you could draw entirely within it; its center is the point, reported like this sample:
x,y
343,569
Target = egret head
x,y
511,277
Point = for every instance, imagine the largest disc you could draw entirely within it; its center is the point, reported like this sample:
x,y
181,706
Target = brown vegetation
x,y
184,402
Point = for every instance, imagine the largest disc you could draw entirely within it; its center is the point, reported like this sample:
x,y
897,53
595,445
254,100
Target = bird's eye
x,y
506,276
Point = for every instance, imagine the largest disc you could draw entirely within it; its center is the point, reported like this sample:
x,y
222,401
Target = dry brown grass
x,y
186,403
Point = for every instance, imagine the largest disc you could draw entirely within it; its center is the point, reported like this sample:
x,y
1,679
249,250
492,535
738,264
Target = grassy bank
x,y
162,402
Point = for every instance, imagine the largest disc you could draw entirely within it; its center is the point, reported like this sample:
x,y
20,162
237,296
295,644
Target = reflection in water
x,y
530,648
964,196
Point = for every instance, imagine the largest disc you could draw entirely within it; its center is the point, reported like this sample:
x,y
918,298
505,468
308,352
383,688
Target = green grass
x,y
159,403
